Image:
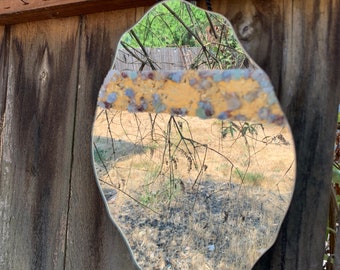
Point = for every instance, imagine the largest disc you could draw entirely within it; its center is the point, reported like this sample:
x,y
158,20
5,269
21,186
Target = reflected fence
x,y
169,58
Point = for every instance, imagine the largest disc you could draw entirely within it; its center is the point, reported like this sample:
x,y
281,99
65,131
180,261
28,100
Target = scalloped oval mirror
x,y
191,149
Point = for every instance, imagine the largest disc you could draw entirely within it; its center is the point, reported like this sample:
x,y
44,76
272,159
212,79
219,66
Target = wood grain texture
x,y
309,94
4,203
3,70
299,49
38,127
18,11
3,76
98,241
52,215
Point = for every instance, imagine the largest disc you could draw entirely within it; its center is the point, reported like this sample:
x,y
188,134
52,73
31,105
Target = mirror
x,y
191,149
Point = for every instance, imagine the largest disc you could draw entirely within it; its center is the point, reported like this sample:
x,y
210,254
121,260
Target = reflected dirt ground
x,y
193,193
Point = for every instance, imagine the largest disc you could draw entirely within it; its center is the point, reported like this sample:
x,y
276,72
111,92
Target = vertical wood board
x,y
37,136
309,95
91,231
4,198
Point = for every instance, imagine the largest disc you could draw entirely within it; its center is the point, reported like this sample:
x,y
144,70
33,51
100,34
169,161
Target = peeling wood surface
x,y
18,11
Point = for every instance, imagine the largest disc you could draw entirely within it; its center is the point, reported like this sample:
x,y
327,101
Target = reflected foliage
x,y
176,24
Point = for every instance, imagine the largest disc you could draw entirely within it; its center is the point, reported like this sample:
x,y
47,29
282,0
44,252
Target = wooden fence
x,y
52,215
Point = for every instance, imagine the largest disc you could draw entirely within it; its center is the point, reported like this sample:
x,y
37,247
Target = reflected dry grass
x,y
190,194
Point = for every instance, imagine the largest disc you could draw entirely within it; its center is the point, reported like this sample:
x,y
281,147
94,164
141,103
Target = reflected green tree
x,y
177,24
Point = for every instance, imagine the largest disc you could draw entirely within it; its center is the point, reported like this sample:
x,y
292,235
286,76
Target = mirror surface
x,y
197,167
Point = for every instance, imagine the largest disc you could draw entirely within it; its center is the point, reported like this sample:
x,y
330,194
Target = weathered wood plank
x,y
4,205
309,95
91,232
18,11
36,155
3,75
36,172
302,60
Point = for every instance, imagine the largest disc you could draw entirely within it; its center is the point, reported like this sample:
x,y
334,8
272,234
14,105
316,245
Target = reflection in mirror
x,y
197,166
